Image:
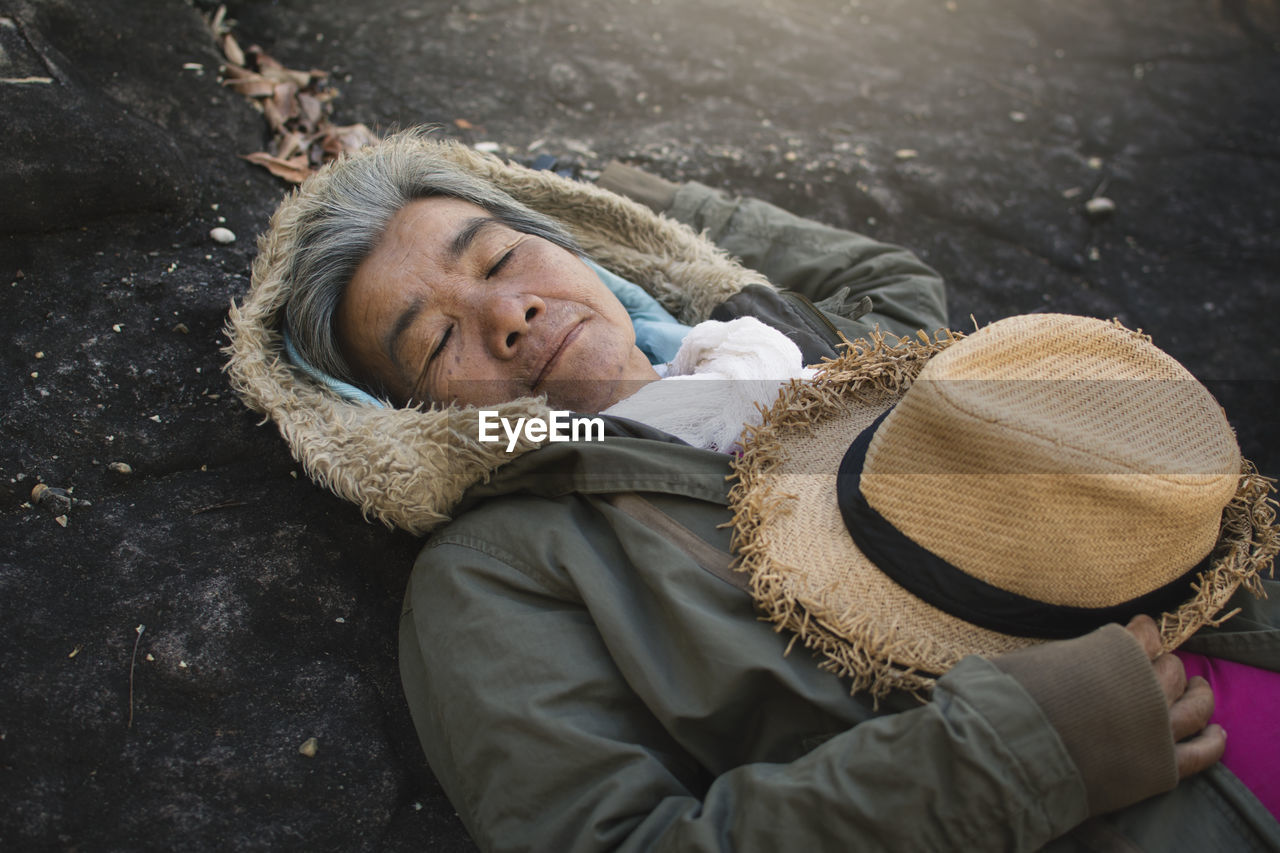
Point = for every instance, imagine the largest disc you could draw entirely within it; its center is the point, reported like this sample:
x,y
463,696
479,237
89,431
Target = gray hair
x,y
348,217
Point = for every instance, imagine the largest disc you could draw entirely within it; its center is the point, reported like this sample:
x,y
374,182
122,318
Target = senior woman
x,y
584,670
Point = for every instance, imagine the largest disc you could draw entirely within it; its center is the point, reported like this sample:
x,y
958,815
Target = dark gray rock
x,y
270,609
75,153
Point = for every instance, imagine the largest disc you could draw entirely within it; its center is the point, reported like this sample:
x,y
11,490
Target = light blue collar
x,y
658,334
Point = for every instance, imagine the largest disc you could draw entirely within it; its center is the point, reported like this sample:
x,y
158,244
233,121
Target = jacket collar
x,y
632,458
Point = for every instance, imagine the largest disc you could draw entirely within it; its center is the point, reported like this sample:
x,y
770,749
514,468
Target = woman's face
x,y
453,306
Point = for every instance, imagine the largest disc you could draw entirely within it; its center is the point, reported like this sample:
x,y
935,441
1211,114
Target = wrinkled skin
x,y
453,306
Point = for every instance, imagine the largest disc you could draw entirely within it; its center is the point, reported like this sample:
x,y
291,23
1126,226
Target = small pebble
x,y
1099,207
488,147
121,467
906,153
308,748
53,499
1017,117
222,235
62,519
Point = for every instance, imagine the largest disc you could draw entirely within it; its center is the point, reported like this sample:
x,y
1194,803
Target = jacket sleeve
x,y
799,254
531,718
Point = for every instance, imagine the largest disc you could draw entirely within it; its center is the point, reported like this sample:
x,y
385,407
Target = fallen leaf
x,y
291,170
285,97
464,124
231,49
310,110
351,137
274,71
293,103
251,86
271,112
290,145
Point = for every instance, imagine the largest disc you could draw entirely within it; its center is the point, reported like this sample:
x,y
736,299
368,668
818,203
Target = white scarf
x,y
749,361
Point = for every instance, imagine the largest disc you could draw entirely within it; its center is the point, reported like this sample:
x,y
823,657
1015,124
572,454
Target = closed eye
x,y
440,346
493,270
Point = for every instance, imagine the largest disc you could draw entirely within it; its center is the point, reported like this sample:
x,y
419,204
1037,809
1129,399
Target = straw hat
x,y
1047,474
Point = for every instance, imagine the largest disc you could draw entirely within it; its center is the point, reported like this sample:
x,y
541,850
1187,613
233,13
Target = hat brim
x,y
809,577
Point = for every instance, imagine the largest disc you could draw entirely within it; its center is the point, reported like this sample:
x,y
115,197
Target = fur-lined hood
x,y
410,467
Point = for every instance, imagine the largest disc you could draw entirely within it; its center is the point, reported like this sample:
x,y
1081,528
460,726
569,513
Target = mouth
x,y
568,338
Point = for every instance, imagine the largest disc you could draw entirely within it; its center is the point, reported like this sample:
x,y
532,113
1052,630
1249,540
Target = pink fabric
x,y
1247,705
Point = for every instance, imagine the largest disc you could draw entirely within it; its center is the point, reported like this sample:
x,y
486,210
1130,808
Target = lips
x,y
566,340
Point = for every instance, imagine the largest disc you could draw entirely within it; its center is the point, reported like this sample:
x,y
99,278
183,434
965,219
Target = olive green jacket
x,y
586,673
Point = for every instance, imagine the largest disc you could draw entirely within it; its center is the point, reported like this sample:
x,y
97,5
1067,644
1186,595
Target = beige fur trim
x,y
409,468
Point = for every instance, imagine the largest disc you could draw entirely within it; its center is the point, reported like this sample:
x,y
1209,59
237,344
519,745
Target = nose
x,y
507,318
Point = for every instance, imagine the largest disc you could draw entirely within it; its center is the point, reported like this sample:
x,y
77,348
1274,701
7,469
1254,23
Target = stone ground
x,y
199,617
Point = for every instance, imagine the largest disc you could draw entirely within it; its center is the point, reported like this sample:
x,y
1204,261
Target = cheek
x,y
608,354
471,378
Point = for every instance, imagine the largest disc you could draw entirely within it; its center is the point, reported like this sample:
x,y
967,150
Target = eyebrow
x,y
468,233
403,322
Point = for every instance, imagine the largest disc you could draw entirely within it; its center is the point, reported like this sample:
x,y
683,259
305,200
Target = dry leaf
x,y
294,105
251,85
351,137
310,110
272,114
274,71
232,71
464,124
291,170
290,145
231,50
219,16
285,98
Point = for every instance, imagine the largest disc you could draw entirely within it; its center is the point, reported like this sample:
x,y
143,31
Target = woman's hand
x,y
1197,744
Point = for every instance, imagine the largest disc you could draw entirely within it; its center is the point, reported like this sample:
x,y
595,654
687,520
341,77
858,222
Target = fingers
x,y
1200,752
1172,677
1144,630
1189,718
1198,745
1192,710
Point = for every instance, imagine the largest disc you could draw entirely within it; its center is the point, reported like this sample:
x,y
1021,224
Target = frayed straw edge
x,y
870,370
1246,548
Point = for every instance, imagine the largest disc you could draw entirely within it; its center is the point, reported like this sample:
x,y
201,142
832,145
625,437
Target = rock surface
x,y
204,611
